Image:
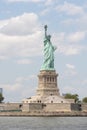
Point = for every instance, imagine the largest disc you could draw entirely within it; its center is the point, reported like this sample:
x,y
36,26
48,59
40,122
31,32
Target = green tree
x,y
72,96
1,97
84,99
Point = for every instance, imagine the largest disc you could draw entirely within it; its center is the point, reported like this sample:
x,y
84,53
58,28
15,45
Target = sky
x,y
21,45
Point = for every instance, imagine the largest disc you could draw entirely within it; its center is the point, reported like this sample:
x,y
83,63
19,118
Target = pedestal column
x,y
47,84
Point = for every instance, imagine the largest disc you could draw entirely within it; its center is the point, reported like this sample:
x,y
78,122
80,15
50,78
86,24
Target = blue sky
x,y
21,45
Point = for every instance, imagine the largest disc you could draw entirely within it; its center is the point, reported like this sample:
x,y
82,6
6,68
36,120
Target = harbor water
x,y
43,123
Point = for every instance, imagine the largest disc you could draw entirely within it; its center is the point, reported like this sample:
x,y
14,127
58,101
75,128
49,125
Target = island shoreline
x,y
43,114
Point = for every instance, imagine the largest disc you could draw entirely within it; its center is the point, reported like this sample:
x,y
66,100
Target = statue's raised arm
x,y
45,27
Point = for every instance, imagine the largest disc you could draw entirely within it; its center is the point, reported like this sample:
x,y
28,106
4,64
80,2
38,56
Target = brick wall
x,y
10,106
84,107
58,107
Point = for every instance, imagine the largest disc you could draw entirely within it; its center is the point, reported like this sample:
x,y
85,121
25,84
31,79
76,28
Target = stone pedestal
x,y
47,84
47,90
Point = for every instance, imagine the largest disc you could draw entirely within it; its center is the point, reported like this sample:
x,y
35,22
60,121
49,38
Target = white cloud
x,y
24,79
70,9
24,61
11,87
76,36
3,57
25,24
20,37
45,11
62,41
69,89
70,49
19,89
24,1
68,21
46,2
49,2
81,22
78,23
84,82
70,66
20,46
70,71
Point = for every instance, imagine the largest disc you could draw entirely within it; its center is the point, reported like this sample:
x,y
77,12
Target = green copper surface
x,y
49,49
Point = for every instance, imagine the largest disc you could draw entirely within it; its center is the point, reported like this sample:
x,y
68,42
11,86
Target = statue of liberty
x,y
49,49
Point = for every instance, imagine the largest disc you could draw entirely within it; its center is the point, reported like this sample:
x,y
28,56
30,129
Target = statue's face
x,y
49,37
45,26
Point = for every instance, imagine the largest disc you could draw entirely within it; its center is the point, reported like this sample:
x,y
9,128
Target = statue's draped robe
x,y
48,63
